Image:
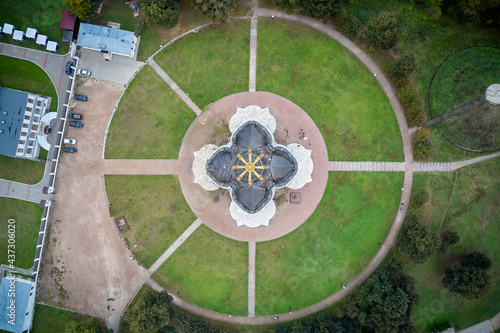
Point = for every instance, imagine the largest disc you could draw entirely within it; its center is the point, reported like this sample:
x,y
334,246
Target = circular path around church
x,y
293,125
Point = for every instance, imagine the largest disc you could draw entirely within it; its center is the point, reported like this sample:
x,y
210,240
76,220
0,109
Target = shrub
x,y
422,134
406,65
423,149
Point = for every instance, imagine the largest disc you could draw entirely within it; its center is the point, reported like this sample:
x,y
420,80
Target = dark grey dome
x,y
251,136
251,166
251,197
220,167
282,166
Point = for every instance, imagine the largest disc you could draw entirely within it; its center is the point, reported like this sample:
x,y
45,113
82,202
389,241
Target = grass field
x,y
26,76
460,80
209,270
473,216
154,36
53,320
27,217
150,122
154,209
210,64
332,86
45,16
21,170
350,223
432,41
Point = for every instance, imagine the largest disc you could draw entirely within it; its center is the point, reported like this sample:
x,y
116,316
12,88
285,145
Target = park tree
x,y
219,11
383,303
477,259
161,12
91,326
433,7
150,312
321,9
450,238
81,8
468,281
473,9
406,65
289,6
417,242
384,30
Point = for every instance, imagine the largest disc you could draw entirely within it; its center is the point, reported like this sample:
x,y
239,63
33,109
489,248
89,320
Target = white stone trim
x,y
200,170
304,166
252,113
261,218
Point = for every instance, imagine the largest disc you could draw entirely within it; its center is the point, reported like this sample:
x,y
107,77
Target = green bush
x,y
384,30
422,135
408,94
423,149
406,65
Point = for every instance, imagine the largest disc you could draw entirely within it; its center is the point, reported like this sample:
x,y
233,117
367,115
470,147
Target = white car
x,y
83,72
70,141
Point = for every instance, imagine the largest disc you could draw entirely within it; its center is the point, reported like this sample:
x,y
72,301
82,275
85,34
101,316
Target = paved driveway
x,y
120,69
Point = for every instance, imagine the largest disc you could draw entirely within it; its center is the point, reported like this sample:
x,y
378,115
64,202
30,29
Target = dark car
x,y
76,124
81,98
68,67
75,116
70,150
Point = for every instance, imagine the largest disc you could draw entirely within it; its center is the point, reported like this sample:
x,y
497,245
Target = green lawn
x,y
26,76
21,170
350,223
150,122
53,320
210,64
432,41
332,86
209,270
473,215
153,36
154,209
460,80
27,216
45,16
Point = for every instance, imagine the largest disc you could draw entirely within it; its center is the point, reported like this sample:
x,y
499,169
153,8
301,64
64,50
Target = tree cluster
x,y
383,303
161,12
470,279
188,324
84,9
384,30
417,242
219,11
91,326
150,312
321,9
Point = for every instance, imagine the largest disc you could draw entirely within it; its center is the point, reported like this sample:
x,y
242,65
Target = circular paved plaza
x,y
213,207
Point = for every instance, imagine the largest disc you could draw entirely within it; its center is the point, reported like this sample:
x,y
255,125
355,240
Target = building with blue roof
x,y
17,304
106,39
20,123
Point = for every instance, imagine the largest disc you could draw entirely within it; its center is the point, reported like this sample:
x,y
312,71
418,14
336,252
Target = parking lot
x,y
120,69
86,262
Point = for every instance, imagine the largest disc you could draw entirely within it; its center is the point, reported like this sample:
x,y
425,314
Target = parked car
x,y
70,150
83,72
81,98
75,116
68,141
76,124
68,67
